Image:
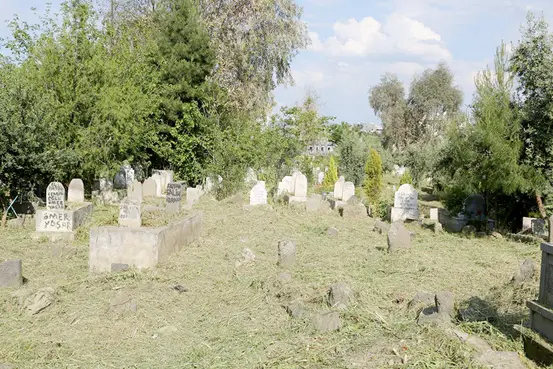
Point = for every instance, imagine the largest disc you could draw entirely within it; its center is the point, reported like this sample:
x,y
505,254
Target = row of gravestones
x,y
295,186
55,194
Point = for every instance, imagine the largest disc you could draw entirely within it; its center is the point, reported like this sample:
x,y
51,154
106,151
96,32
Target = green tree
x,y
352,153
331,175
373,177
406,178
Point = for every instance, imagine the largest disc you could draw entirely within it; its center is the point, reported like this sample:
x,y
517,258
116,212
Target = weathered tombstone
x,y
475,207
159,185
135,191
405,204
288,184
174,197
541,311
398,237
129,213
55,196
300,186
286,253
165,177
434,214
538,227
75,193
11,274
339,188
258,194
149,189
314,203
124,178
193,195
348,191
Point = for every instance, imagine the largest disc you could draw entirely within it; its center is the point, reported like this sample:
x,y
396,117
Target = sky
x,y
354,42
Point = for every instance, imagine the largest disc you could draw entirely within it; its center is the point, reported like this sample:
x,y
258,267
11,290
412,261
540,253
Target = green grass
x,y
233,317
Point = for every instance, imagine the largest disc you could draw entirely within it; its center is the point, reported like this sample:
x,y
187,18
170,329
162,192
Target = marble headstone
x,y
55,196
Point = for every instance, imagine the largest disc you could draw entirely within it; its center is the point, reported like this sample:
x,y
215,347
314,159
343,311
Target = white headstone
x,y
348,191
258,194
135,191
149,189
193,194
339,189
55,196
75,193
159,184
300,186
129,175
288,184
434,214
129,213
405,204
174,197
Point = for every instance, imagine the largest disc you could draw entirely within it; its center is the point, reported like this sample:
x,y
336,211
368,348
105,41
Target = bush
x,y
406,178
373,177
331,176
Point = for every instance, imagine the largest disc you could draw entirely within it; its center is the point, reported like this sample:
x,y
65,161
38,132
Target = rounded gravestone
x,y
55,196
75,193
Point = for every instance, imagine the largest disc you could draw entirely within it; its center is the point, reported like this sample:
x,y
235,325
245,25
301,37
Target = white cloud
x,y
399,35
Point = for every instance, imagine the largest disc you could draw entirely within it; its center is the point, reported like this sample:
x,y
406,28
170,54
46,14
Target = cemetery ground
x,y
207,308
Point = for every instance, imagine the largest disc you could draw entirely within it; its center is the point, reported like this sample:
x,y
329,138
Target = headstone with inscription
x,y
174,197
405,204
75,193
258,194
55,196
129,213
475,207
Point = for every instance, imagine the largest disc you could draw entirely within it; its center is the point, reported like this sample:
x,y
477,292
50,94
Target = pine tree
x,y
373,176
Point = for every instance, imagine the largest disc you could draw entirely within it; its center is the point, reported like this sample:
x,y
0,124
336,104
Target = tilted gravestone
x,y
405,204
339,188
286,252
174,197
258,194
55,196
75,193
129,213
348,191
149,189
475,207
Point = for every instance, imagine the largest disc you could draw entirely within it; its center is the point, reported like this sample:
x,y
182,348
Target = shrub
x,y
406,178
373,176
352,155
331,176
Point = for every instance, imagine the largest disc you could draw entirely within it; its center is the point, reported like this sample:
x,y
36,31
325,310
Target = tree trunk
x,y
540,206
4,218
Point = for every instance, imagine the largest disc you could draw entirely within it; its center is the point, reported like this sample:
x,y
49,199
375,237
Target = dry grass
x,y
233,317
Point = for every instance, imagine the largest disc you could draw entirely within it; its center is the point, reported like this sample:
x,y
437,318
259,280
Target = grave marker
x,y
348,191
75,193
129,213
258,194
405,204
135,191
339,188
174,197
149,189
55,196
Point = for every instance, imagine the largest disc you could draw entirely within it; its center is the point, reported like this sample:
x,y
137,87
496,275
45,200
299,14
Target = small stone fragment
x,y
326,322
445,303
122,302
525,272
437,227
296,309
340,296
117,267
332,232
39,301
422,299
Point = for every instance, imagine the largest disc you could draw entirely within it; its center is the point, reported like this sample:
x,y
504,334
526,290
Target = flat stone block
x,y
140,247
535,347
58,225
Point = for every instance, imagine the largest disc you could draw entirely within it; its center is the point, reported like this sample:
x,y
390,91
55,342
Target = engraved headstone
x,y
405,204
149,189
174,197
475,207
258,194
75,193
55,221
55,196
348,191
129,213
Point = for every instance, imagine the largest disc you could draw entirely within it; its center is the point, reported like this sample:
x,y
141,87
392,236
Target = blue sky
x,y
355,42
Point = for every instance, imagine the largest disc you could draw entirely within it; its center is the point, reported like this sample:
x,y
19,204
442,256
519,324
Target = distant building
x,y
320,148
371,128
